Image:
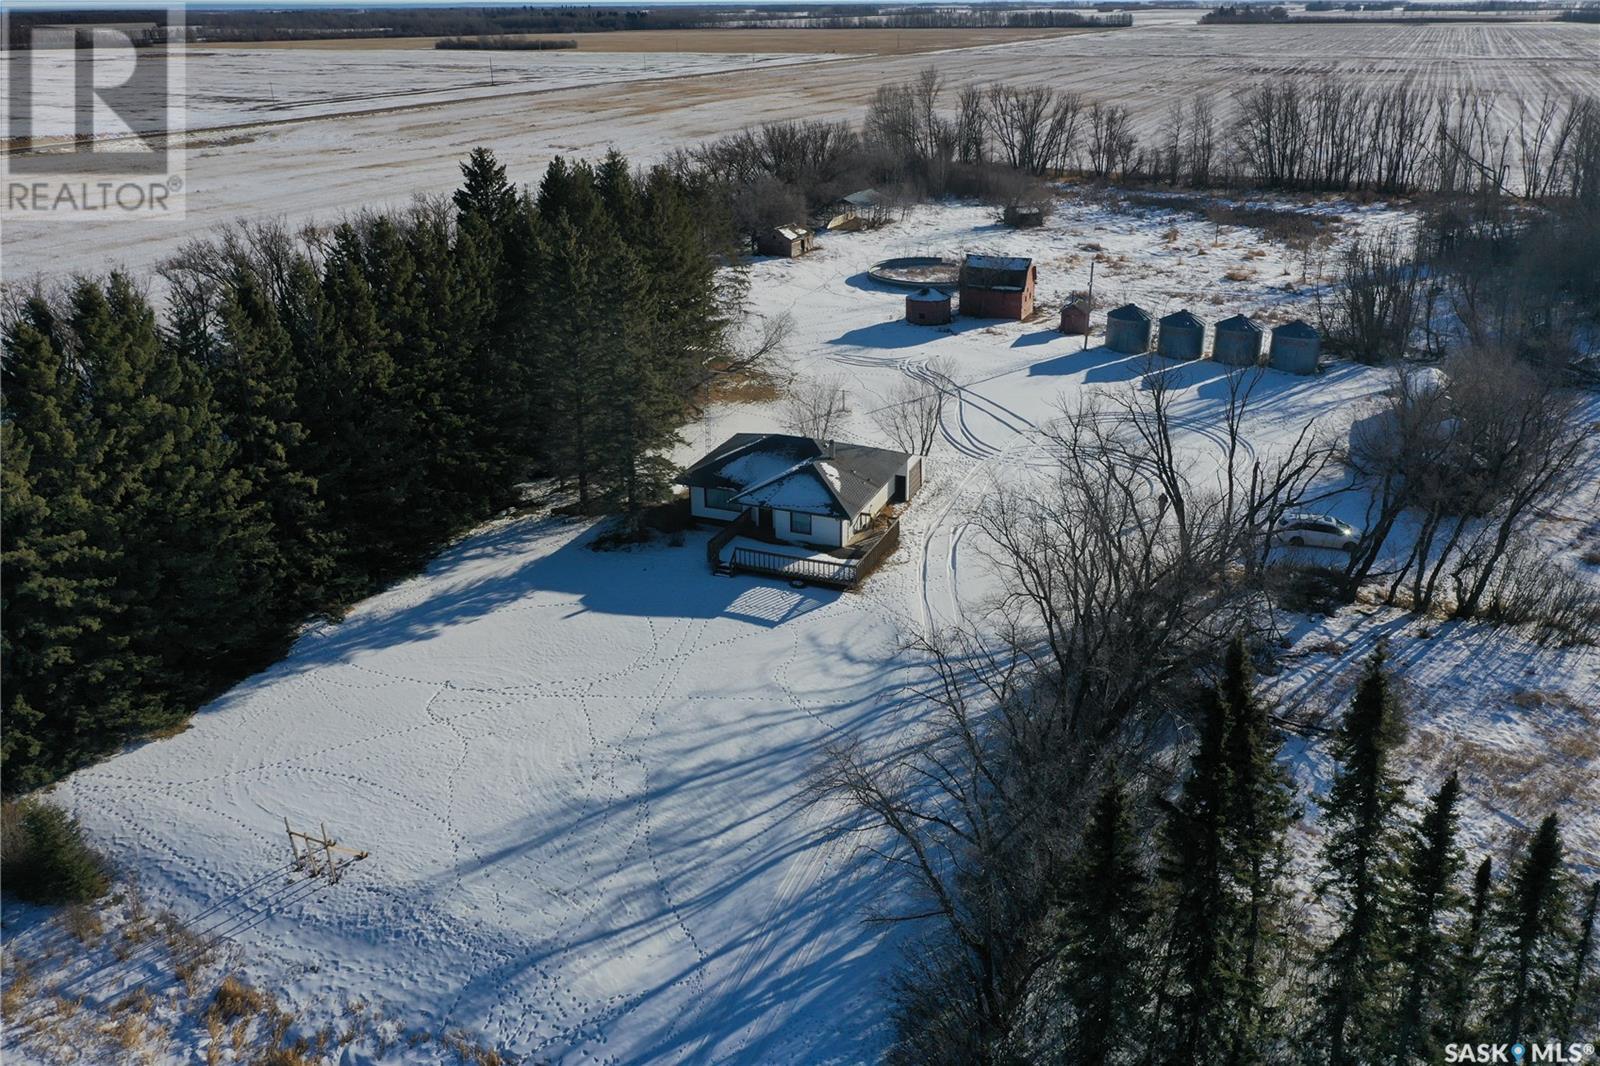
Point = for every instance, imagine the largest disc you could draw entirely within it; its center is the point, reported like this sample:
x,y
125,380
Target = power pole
x,y
1088,325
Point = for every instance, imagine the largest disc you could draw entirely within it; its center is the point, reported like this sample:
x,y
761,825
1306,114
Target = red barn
x,y
997,286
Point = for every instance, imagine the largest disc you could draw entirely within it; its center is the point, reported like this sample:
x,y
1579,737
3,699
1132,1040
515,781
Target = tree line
x,y
313,416
1160,923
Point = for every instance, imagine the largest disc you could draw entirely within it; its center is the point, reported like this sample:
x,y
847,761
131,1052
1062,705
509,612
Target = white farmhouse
x,y
800,490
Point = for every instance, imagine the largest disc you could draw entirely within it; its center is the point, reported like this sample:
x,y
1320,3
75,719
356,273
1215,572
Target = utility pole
x,y
1088,325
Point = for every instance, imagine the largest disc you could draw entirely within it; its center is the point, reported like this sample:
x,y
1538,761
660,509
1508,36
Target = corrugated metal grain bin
x,y
1237,342
1296,347
1183,336
1128,330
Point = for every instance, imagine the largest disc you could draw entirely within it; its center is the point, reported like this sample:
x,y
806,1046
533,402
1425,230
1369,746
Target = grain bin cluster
x,y
1296,346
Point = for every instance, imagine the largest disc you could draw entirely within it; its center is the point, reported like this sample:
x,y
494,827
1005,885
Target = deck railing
x,y
841,573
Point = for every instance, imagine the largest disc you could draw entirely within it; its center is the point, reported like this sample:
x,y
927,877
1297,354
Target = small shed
x,y
1183,336
1296,347
1023,216
1238,342
789,242
998,286
850,212
928,307
1128,330
1075,318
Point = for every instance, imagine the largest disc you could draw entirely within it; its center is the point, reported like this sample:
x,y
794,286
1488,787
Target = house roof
x,y
1237,324
1131,312
1181,320
1298,328
792,473
1006,273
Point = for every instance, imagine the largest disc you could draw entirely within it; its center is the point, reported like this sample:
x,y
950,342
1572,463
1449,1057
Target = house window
x,y
799,523
718,499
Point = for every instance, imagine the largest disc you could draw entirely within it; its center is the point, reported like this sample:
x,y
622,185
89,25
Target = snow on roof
x,y
754,467
999,262
929,296
864,198
772,469
798,489
791,233
1237,324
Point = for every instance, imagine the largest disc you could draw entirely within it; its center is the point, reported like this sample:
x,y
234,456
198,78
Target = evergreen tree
x,y
486,193
47,859
1459,991
1359,856
1102,929
1579,1000
288,564
1200,977
56,618
570,360
1530,942
1428,899
1260,810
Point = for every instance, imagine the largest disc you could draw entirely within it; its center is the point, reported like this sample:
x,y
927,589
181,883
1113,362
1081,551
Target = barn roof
x,y
1130,312
792,473
1004,273
1237,324
1181,320
1298,328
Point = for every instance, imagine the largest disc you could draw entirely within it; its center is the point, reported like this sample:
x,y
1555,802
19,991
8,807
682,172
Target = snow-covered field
x,y
341,132
580,774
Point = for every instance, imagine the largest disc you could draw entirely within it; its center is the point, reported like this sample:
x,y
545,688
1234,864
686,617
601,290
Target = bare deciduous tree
x,y
915,409
816,407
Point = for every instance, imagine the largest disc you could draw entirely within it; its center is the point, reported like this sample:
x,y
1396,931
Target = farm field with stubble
x,y
319,130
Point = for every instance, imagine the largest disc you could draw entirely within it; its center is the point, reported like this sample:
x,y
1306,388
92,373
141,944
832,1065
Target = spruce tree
x,y
288,559
1102,936
1458,993
1260,810
1530,942
1199,982
486,193
1428,900
1359,858
1579,1004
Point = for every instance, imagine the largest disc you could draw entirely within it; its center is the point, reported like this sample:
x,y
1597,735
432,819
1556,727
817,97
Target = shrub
x,y
44,857
234,1000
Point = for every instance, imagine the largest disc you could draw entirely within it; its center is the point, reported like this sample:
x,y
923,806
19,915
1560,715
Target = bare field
x,y
353,149
715,42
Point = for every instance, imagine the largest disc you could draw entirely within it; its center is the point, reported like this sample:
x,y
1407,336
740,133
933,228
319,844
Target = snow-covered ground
x,y
580,774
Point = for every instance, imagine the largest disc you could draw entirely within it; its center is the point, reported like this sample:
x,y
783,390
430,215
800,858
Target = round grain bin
x,y
1183,336
928,307
1128,330
1238,342
1296,347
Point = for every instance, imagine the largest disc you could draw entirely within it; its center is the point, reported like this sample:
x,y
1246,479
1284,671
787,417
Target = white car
x,y
1316,531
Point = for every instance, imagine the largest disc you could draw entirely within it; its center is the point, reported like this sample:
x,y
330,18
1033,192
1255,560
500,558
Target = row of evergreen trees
x,y
1191,947
313,416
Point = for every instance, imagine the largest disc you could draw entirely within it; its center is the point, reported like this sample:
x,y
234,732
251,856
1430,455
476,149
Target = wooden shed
x,y
790,242
1183,336
1128,330
998,286
928,307
1075,318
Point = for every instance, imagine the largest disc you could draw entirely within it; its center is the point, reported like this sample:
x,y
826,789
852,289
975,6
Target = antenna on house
x,y
320,856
